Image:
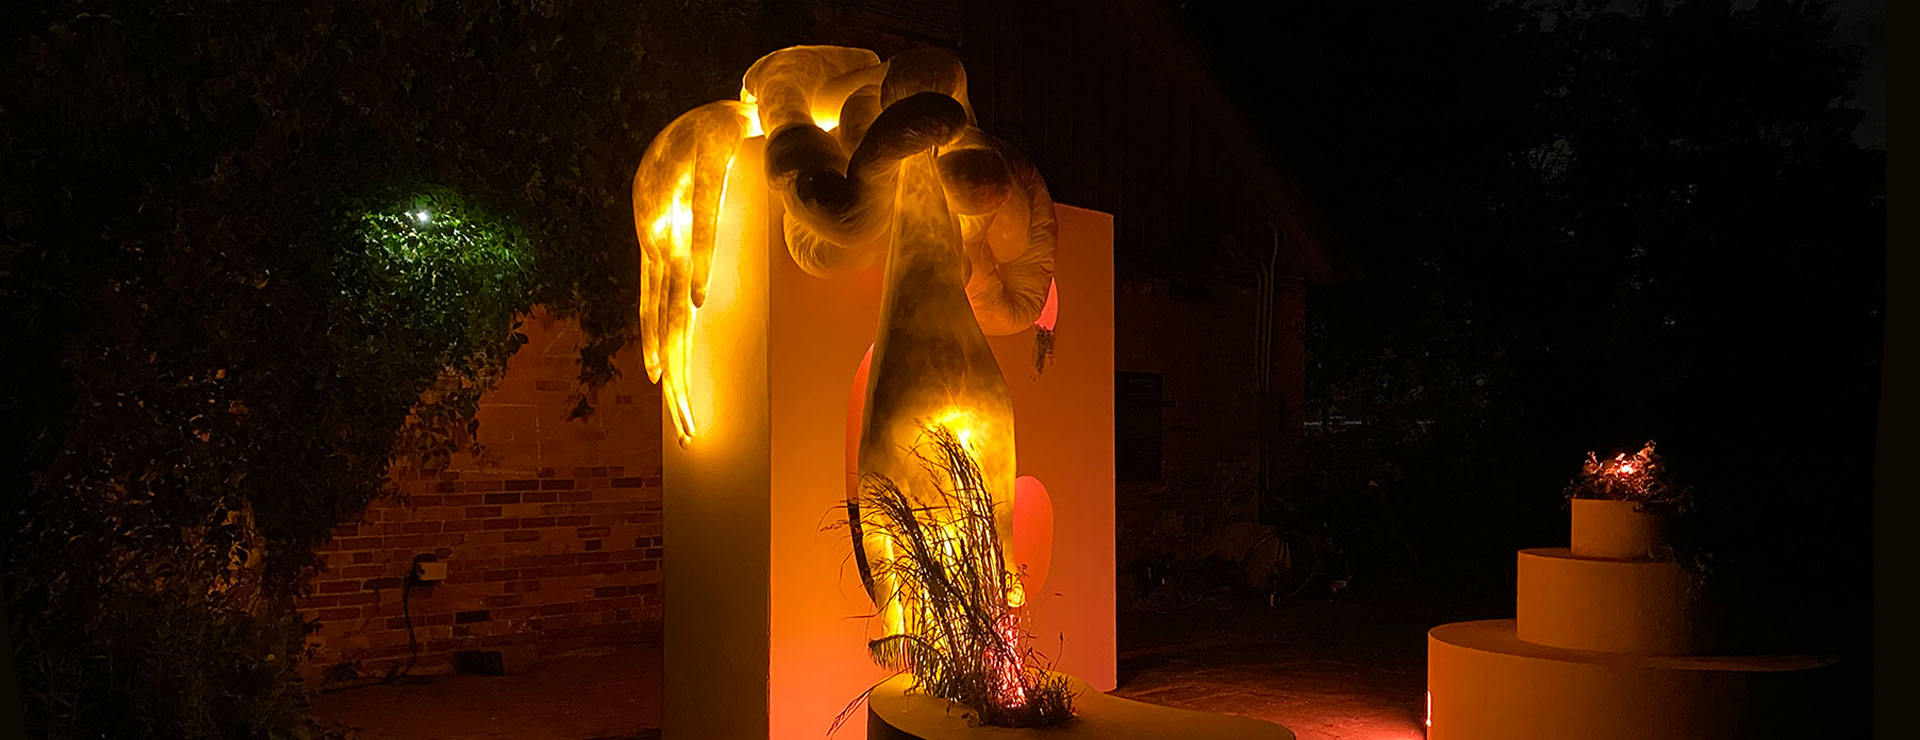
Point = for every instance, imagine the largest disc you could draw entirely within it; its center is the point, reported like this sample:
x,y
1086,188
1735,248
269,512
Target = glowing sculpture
x,y
866,158
676,207
840,124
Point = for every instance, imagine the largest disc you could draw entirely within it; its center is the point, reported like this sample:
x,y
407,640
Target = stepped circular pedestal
x,y
895,714
1623,606
1485,683
1622,530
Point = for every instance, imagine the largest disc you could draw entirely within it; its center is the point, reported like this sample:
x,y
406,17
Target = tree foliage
x,y
1584,225
229,318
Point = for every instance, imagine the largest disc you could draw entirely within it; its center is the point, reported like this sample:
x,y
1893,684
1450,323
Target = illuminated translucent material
x,y
838,123
865,159
931,366
676,207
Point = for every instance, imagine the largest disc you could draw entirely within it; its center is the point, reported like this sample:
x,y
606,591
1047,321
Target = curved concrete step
x,y
1618,606
894,714
1485,683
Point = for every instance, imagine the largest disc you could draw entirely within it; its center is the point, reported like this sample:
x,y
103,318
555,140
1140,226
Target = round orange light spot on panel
x,y
1032,530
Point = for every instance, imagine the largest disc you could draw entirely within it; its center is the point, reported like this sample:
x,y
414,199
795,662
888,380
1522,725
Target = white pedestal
x,y
764,635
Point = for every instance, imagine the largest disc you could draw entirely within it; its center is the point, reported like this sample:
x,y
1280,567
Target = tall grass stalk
x,y
959,636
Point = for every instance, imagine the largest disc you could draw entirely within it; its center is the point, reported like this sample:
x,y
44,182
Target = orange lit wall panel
x,y
764,629
1064,424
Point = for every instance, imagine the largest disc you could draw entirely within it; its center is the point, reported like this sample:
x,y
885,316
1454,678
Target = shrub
x,y
1641,476
227,327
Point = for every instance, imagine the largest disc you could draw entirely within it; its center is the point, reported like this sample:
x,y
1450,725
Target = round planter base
x,y
894,714
1484,683
1643,607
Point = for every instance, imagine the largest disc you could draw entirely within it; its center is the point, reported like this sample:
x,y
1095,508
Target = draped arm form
x,y
838,123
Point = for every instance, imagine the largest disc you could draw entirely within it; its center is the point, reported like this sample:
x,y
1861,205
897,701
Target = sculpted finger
x,y
670,393
676,336
709,183
652,286
718,133
653,190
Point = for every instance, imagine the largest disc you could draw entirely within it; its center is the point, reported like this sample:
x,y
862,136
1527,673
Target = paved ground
x,y
1352,670
605,697
1326,670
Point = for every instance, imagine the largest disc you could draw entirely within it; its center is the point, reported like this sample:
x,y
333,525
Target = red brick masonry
x,y
551,537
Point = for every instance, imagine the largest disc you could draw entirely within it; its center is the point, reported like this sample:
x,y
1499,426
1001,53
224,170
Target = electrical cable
x,y
406,617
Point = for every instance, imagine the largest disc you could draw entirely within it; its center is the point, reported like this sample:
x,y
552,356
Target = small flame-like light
x,y
1429,710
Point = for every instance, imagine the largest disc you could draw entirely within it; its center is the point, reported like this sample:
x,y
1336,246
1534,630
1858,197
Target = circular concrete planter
x,y
1620,530
895,714
1608,605
1487,684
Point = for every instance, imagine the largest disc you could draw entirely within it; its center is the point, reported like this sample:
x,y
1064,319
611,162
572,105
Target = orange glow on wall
x,y
1032,531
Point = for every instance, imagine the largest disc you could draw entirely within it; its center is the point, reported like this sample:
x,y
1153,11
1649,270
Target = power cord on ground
x,y
406,617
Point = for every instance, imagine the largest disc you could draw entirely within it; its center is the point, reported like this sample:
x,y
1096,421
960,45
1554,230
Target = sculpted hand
x,y
676,203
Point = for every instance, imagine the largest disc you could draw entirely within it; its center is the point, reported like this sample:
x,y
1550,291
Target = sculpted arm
x,y
838,123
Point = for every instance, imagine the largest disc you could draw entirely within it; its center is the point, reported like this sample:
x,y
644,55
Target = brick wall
x,y
551,536
1200,339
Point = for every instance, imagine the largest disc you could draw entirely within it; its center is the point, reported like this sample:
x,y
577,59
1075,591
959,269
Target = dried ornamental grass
x,y
961,639
1640,477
